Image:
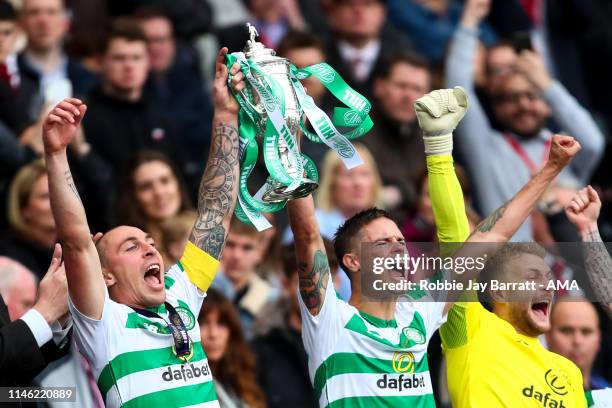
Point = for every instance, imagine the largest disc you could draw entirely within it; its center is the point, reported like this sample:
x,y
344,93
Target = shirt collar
x,y
369,53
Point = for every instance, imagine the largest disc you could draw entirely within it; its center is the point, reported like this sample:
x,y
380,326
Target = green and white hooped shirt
x,y
358,360
131,355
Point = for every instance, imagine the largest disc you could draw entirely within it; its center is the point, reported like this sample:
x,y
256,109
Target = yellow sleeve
x,y
447,201
199,266
462,323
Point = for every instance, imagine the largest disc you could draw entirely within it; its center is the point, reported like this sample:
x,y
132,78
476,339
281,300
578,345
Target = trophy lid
x,y
256,50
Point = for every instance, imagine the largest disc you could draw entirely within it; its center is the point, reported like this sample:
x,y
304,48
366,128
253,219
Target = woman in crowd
x,y
230,359
151,192
31,235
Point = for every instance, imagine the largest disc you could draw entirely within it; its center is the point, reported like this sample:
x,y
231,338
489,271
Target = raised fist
x,y
61,124
223,102
562,150
583,209
439,112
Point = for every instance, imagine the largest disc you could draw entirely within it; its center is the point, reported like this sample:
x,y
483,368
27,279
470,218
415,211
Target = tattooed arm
x,y
503,223
499,227
219,185
583,212
83,269
313,268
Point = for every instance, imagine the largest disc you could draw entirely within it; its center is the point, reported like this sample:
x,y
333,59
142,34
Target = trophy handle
x,y
249,103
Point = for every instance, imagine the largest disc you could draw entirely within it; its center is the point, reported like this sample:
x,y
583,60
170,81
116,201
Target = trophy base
x,y
277,193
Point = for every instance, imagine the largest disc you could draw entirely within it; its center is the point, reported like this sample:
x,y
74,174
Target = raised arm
x,y
219,185
583,212
313,268
439,113
503,223
568,113
83,269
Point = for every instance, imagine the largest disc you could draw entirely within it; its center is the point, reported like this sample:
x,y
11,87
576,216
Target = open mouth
x,y
397,273
153,276
541,309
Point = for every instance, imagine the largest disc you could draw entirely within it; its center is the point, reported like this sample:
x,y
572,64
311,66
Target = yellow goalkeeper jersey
x,y
491,365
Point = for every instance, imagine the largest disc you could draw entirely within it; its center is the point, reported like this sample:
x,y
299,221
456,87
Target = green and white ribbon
x,y
272,128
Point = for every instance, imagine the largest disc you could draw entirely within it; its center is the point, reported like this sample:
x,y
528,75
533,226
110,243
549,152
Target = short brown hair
x,y
496,264
125,28
343,240
298,40
383,69
240,228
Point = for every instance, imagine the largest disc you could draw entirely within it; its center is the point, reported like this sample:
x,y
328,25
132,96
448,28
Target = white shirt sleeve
x,y
38,326
320,332
91,334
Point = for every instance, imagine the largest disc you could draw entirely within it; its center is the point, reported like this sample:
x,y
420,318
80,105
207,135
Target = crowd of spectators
x,y
530,68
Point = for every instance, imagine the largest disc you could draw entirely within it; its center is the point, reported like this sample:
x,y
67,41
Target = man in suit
x,y
29,340
360,39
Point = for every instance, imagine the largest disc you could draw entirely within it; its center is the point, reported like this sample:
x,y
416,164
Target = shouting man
x,y
136,325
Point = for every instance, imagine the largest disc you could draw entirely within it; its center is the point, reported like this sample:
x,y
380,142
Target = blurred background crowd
x,y
144,68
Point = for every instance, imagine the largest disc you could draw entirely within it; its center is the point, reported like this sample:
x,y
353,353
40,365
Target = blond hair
x,y
20,191
331,161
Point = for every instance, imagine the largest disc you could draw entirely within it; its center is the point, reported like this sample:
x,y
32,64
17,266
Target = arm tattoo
x,y
71,185
313,283
599,269
217,191
488,223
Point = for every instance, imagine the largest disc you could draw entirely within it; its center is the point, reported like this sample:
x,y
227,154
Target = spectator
x,y
46,23
575,334
151,191
120,121
270,268
278,344
522,101
19,101
31,233
231,361
431,24
360,40
175,84
17,287
190,17
239,262
395,141
30,339
343,193
19,95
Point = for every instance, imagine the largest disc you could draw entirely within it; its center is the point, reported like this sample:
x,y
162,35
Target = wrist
x,y
544,83
225,117
46,313
588,230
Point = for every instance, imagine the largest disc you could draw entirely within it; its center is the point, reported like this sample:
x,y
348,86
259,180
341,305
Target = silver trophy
x,y
279,68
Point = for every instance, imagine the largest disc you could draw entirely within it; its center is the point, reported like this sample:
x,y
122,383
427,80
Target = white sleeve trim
x,y
38,326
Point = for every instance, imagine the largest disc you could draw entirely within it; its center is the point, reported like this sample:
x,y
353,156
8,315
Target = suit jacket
x,y
20,357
